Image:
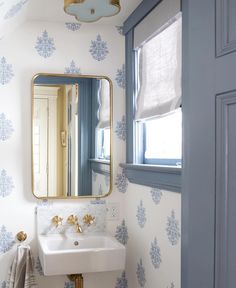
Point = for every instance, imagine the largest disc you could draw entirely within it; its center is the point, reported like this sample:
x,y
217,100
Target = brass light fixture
x,y
91,10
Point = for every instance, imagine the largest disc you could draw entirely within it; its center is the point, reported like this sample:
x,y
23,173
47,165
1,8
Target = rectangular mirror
x,y
71,136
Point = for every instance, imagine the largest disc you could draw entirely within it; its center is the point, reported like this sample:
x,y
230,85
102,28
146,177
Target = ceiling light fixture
x,y
91,10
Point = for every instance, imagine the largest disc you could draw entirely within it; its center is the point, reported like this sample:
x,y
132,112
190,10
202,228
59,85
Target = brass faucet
x,y
73,220
88,219
57,220
79,229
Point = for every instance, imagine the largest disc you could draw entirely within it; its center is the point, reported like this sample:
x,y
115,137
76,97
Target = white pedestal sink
x,y
62,254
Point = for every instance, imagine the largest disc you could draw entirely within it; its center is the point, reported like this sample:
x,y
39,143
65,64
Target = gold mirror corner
x,y
71,136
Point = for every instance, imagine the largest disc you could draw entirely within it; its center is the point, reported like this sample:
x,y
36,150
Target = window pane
x,y
164,137
106,144
103,143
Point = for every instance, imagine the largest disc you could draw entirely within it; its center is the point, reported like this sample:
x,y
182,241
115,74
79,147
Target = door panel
x,y
225,26
209,149
225,275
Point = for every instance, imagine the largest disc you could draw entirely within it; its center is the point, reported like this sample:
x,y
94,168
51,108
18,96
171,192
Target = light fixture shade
x,y
91,10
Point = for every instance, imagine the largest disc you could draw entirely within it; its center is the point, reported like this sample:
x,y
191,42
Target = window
x,y
163,139
158,114
153,95
103,144
102,130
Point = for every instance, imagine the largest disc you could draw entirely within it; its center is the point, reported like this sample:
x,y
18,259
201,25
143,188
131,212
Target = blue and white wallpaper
x,y
152,223
11,14
149,219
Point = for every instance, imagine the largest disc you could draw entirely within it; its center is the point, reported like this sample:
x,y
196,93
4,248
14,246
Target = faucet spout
x,y
73,220
79,229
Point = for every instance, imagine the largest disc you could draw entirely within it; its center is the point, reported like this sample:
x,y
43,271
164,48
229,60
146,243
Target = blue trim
x,y
85,125
57,80
167,162
130,84
167,178
101,167
139,13
143,174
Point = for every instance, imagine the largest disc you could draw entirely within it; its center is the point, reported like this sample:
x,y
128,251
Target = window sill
x,y
162,177
100,166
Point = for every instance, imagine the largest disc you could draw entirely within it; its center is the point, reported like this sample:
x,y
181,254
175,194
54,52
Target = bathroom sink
x,y
74,253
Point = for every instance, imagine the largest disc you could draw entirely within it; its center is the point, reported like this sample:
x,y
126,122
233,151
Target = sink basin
x,y
73,253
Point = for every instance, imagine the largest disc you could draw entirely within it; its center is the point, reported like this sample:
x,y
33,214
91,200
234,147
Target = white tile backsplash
x,y
46,213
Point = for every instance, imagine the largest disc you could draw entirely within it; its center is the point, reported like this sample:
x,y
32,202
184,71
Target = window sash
x,y
163,155
162,177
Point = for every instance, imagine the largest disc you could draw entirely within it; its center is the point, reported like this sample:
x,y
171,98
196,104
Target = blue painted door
x,y
209,162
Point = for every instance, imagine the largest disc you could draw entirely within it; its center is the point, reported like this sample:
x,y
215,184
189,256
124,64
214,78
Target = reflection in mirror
x,y
71,136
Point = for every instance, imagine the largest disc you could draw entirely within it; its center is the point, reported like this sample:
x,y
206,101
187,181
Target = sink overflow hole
x,y
76,243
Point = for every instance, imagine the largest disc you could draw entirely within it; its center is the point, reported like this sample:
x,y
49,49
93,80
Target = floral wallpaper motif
x,y
15,9
44,39
122,281
120,77
6,128
172,229
122,233
156,195
69,284
121,182
121,129
141,274
6,71
6,240
120,30
73,26
6,184
141,215
45,45
98,201
155,254
98,49
72,69
44,203
146,219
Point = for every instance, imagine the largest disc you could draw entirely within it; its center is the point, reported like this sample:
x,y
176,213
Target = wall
x,y
144,221
19,61
153,246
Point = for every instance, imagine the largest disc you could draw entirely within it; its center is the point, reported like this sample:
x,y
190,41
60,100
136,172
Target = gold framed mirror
x,y
71,136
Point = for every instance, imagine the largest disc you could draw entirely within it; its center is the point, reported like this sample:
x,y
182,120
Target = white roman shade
x,y
160,66
155,20
104,104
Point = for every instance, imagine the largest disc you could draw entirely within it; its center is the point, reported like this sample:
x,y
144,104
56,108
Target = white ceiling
x,y
14,12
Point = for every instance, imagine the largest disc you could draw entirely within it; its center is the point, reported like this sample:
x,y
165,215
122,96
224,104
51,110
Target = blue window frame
x,y
138,168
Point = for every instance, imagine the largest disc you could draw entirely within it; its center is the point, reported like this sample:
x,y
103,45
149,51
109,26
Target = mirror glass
x,y
71,136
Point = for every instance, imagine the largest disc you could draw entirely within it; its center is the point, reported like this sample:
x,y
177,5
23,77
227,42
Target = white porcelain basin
x,y
75,253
